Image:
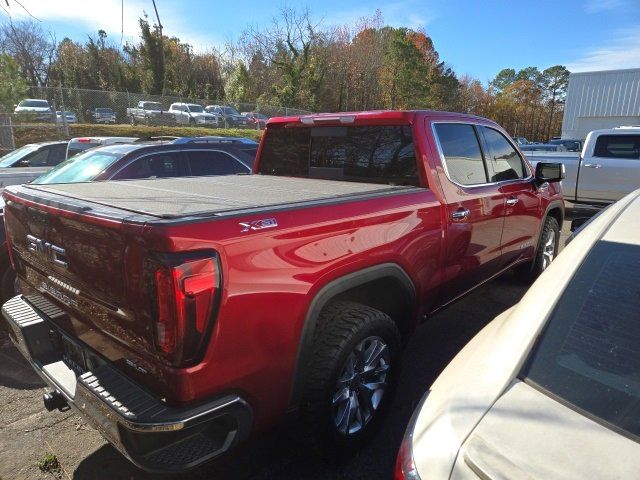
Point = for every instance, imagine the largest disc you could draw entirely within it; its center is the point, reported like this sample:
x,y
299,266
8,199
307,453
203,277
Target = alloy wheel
x,y
549,249
361,386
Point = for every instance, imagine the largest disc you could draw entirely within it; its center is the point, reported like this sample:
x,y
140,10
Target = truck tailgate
x,y
89,267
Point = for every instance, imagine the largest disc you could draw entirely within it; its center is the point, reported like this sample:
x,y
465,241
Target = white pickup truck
x,y
607,169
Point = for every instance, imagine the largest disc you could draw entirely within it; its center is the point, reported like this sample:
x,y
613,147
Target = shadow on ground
x,y
15,372
274,455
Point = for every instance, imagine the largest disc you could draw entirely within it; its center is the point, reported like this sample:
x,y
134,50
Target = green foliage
x,y
526,102
504,78
29,133
405,72
13,87
238,84
49,463
292,62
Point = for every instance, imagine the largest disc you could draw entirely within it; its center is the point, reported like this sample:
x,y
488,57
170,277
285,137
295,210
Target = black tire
x,y
7,284
544,254
192,122
342,327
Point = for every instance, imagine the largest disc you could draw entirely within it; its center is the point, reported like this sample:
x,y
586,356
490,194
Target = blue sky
x,y
478,37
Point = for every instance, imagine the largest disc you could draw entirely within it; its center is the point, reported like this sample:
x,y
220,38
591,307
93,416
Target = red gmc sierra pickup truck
x,y
181,315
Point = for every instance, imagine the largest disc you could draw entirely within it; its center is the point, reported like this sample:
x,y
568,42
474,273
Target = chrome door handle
x,y
593,165
460,214
512,201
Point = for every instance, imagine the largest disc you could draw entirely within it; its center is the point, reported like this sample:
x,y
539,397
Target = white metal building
x,y
604,99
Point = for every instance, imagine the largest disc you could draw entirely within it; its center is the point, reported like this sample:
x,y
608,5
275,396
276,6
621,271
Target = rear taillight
x,y
405,464
186,300
405,467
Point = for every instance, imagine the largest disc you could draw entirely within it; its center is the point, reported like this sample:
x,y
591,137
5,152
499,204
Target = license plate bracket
x,y
73,355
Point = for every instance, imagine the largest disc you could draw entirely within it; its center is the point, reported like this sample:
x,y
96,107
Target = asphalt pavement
x,y
28,432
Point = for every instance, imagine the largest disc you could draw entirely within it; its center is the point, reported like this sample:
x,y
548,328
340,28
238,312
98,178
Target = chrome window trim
x,y
177,151
476,124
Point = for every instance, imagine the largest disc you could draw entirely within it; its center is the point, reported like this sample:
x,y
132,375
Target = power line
x,y
23,7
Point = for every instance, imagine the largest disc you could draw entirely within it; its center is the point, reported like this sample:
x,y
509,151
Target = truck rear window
x,y
366,154
589,354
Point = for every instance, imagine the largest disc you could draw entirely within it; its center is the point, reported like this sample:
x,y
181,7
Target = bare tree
x,y
31,47
288,44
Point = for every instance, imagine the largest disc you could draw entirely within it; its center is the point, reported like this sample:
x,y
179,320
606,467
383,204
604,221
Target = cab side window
x,y
503,161
462,154
618,146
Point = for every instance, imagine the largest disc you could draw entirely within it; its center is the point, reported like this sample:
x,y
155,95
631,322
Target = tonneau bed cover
x,y
223,195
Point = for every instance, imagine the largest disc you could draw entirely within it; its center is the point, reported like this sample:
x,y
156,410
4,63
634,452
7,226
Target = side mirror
x,y
24,163
549,172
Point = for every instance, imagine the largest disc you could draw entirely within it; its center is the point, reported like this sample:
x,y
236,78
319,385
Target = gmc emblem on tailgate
x,y
47,250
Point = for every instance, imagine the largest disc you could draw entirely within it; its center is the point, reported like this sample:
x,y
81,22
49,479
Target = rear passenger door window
x,y
159,165
462,154
503,161
213,162
618,146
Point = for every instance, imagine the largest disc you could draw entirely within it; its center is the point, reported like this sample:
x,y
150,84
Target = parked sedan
x,y
137,161
35,108
256,120
43,154
551,388
229,116
70,117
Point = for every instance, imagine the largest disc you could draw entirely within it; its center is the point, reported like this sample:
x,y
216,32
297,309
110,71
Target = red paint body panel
x,y
270,277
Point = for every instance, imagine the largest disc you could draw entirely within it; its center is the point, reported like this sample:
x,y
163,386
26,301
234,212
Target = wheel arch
x,y
389,279
555,209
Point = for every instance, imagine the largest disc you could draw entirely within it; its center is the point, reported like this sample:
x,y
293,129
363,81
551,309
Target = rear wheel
x,y
547,250
351,377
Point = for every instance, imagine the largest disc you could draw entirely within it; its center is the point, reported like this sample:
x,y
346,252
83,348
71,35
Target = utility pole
x,y
164,67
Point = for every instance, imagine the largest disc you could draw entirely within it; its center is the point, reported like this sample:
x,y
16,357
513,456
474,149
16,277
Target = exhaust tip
x,y
54,400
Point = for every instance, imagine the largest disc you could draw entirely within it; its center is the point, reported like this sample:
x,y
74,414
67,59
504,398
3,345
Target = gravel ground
x,y
28,432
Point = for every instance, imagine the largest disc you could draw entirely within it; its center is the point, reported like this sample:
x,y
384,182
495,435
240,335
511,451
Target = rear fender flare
x,y
324,296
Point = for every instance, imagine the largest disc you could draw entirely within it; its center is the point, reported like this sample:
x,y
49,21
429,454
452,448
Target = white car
x,y
34,106
551,388
80,144
193,114
70,117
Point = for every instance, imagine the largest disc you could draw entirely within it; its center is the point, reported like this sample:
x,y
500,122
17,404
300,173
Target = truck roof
x,y
206,196
347,118
622,130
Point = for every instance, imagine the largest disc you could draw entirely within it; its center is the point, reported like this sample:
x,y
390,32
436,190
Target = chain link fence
x,y
99,107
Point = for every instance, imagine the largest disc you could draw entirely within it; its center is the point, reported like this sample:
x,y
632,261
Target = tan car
x,y
551,388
